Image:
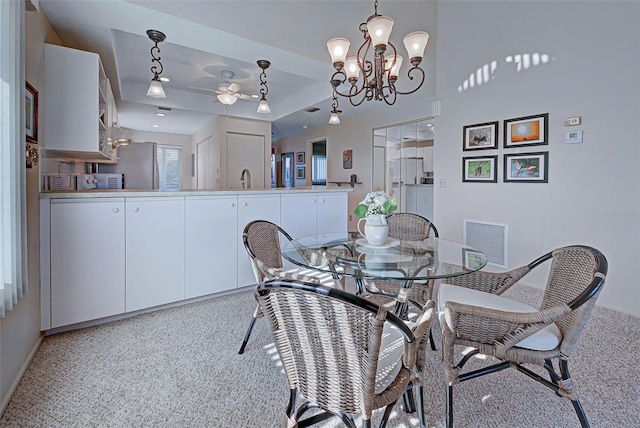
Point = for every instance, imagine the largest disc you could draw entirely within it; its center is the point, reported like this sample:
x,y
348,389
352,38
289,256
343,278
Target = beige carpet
x,y
180,368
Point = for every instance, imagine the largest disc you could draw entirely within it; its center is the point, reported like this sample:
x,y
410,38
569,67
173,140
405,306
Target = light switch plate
x,y
572,137
572,121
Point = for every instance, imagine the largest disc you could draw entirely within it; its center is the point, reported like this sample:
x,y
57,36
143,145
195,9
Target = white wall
x,y
592,196
183,141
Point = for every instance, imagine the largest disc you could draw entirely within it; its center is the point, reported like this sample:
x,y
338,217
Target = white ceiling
x,y
206,37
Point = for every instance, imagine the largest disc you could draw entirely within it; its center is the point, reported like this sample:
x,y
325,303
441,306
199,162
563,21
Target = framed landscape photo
x,y
300,158
300,173
31,118
526,131
347,159
481,136
481,169
527,167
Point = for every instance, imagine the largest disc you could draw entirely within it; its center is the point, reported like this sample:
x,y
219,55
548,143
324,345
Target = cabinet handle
x,y
244,204
232,205
313,201
322,201
136,209
116,210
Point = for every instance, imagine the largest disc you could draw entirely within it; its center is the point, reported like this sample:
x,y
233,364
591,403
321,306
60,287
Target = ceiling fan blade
x,y
201,89
247,97
233,87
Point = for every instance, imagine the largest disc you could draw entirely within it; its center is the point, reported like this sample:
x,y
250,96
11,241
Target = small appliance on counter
x,y
86,182
99,181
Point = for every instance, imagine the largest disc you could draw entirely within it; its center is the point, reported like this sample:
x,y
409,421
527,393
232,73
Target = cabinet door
x,y
253,207
332,212
211,245
155,252
298,214
87,260
411,201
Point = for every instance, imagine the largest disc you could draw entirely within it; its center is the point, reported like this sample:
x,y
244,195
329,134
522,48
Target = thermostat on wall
x,y
573,137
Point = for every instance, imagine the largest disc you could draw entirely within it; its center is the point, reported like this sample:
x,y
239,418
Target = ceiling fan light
x,y
379,28
416,43
338,48
263,107
334,119
227,99
156,90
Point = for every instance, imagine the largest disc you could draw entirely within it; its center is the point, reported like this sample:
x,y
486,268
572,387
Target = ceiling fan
x,y
229,92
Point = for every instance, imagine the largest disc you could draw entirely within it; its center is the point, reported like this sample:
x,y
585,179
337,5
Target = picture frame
x,y
300,173
31,110
480,169
347,159
471,259
526,167
481,136
526,131
300,158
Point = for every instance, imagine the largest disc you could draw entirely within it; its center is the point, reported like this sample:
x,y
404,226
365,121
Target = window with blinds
x,y
169,167
319,163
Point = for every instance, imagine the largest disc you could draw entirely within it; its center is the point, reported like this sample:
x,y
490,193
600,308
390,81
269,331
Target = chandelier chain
x,y
156,69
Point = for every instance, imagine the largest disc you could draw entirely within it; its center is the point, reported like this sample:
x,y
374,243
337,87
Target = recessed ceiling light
x,y
161,114
155,125
305,126
165,79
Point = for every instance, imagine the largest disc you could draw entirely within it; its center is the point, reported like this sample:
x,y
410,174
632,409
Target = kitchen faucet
x,y
245,179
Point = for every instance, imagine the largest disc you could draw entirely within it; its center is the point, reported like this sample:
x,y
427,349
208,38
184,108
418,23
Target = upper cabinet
x,y
79,106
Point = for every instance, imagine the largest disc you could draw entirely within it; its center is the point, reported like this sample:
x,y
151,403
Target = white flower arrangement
x,y
376,203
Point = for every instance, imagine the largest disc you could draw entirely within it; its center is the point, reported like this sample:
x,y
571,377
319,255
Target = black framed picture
x,y
481,169
31,119
300,173
300,158
526,167
481,136
526,131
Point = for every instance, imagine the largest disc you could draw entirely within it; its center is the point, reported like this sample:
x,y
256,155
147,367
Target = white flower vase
x,y
375,229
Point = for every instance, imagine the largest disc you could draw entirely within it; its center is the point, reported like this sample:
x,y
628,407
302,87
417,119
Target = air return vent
x,y
311,109
490,238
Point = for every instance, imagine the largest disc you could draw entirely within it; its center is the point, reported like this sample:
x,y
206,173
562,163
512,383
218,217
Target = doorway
x,y
319,162
286,166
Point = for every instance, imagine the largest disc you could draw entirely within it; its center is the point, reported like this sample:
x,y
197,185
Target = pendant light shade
x,y
334,119
227,99
156,90
416,43
379,30
263,107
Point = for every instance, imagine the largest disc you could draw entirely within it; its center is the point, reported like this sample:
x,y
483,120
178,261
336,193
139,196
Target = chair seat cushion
x,y
544,340
390,357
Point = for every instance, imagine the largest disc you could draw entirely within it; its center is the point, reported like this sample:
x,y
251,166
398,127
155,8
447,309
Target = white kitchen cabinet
x,y
424,201
411,195
253,207
310,213
210,245
332,212
87,261
76,99
427,159
155,251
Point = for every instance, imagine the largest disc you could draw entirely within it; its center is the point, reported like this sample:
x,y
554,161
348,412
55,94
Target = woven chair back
x,y
410,227
329,347
573,269
262,240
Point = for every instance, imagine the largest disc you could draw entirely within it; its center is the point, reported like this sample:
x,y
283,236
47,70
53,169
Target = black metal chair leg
x,y
577,406
387,413
449,406
246,335
431,341
408,402
420,405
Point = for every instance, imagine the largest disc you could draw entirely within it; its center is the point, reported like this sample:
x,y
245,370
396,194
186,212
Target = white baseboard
x,y
23,369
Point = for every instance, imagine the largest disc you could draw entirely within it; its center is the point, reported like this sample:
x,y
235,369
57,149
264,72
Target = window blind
x,y
13,266
170,167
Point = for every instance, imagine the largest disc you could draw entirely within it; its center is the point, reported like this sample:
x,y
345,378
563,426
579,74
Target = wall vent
x,y
490,238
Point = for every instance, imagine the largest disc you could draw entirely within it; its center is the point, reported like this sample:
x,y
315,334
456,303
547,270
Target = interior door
x,y
204,169
245,152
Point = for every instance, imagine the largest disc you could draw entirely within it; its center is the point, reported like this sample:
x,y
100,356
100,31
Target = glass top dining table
x,y
345,254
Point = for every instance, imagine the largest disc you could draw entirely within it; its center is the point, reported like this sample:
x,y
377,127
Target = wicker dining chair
x,y
519,334
262,239
341,354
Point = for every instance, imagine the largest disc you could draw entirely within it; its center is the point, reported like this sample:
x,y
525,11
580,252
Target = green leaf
x,y
389,206
361,211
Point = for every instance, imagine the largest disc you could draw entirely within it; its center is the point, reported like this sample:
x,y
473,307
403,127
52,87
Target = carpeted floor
x,y
179,367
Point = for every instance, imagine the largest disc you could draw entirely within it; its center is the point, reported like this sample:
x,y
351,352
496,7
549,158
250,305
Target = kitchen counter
x,y
79,194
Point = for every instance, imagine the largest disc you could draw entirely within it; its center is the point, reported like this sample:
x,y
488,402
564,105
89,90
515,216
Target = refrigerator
x,y
139,164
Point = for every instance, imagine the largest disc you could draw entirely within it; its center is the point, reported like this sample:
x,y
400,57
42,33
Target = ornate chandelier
x,y
371,74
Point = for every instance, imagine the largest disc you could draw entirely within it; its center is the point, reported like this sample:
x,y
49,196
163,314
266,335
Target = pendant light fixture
x,y
334,119
371,73
263,107
155,88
